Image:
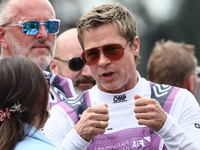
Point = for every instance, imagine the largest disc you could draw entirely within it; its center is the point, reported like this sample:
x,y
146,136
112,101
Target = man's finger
x,y
145,101
145,116
136,96
98,109
95,116
144,109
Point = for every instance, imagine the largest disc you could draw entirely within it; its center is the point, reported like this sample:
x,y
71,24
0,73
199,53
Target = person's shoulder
x,y
61,87
186,99
77,99
186,95
32,143
72,101
55,77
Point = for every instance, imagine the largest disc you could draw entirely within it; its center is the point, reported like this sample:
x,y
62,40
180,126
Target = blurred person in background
x,y
24,106
29,28
198,89
67,61
175,64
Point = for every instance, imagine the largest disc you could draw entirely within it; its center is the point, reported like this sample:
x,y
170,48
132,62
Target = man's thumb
x,y
106,105
136,96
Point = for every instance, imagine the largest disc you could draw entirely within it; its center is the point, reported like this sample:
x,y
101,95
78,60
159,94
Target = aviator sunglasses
x,y
32,27
113,52
75,63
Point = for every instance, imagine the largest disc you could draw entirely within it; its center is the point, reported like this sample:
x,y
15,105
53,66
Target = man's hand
x,y
149,112
89,125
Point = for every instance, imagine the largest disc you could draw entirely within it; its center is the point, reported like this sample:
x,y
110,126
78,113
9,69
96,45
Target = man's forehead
x,y
34,10
71,49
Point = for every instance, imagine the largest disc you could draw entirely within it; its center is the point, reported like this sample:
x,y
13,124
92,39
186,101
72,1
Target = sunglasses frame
x,y
97,48
20,23
68,61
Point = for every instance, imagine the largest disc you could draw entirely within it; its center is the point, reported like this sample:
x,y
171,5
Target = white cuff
x,y
74,141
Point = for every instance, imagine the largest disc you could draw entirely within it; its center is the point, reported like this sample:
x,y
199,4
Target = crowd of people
x,y
94,98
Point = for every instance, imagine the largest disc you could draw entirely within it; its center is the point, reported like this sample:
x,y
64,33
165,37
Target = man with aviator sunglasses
x,y
29,28
123,110
67,61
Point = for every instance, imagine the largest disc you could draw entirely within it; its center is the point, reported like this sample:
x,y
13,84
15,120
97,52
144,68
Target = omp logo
x,y
119,98
197,125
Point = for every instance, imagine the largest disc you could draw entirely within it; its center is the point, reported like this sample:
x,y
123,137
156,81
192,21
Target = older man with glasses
x,y
28,28
67,61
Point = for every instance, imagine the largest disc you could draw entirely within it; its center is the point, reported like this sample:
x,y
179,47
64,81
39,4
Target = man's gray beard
x,y
42,60
19,49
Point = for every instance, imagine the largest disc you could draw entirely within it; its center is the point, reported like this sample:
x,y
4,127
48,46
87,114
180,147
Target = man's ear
x,y
190,84
53,66
136,46
3,42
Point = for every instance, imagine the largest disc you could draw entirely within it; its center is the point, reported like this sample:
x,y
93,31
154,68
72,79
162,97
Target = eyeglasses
x,y
75,63
113,52
32,27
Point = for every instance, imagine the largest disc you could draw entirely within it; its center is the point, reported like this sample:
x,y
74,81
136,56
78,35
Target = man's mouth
x,y
40,46
84,81
108,74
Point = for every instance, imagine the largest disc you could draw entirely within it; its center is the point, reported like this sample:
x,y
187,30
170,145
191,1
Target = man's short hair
x,y
109,13
171,63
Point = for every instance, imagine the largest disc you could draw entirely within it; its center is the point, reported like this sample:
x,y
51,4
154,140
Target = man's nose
x,y
42,33
103,60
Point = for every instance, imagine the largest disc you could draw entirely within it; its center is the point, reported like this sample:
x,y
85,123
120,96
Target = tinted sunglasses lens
x,y
52,26
113,52
90,57
76,64
31,27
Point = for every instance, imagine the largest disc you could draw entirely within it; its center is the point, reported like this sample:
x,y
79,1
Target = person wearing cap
x,y
67,61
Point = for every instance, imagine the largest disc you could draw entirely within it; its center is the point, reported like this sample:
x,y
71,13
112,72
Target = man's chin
x,y
82,89
42,61
78,91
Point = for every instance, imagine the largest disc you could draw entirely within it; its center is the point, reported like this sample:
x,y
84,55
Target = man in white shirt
x,y
123,110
